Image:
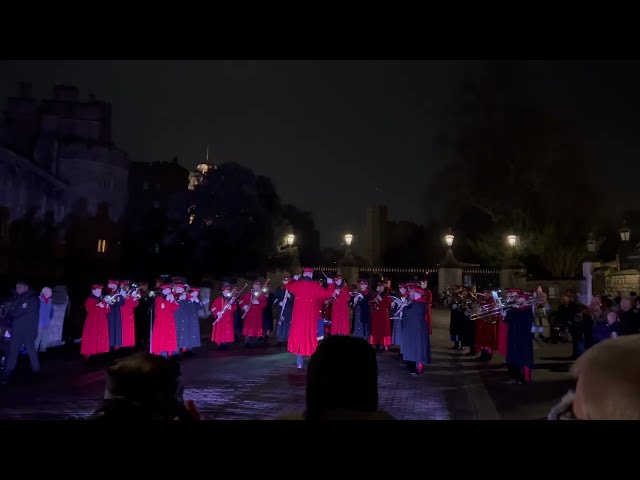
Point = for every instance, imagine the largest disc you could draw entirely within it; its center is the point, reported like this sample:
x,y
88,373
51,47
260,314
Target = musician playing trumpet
x,y
95,332
222,312
114,317
362,311
340,306
283,300
253,303
127,316
380,323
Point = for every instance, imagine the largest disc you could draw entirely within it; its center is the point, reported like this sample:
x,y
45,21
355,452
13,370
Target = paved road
x,y
263,383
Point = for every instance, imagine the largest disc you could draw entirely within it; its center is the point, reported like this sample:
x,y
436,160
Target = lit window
x,y
192,218
102,246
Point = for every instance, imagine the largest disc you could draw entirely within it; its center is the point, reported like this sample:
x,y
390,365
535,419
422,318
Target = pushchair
x,y
559,332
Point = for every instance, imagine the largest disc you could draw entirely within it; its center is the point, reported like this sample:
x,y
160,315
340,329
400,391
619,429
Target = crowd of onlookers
x,y
605,317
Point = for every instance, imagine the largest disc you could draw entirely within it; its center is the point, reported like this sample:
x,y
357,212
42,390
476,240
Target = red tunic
x,y
223,330
95,333
252,324
303,336
486,336
503,328
340,310
428,297
128,322
380,322
163,336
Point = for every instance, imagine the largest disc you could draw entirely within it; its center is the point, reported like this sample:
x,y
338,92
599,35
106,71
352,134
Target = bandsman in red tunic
x,y
253,303
163,336
340,296
127,315
95,333
428,298
380,323
486,337
222,310
303,336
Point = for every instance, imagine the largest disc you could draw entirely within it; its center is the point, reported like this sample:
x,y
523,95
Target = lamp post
x,y
449,260
625,232
588,266
512,240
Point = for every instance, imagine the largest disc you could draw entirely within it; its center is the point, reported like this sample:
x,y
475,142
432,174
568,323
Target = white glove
x,y
219,315
183,296
246,308
281,304
170,297
329,281
101,305
296,277
255,302
162,305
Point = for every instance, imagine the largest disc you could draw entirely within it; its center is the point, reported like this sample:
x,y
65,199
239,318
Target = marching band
x,y
482,322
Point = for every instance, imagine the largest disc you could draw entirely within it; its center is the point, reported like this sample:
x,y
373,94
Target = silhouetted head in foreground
x,y
342,380
143,387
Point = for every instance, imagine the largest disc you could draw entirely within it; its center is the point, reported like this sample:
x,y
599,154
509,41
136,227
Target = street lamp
x,y
591,243
290,239
449,238
625,232
348,238
513,240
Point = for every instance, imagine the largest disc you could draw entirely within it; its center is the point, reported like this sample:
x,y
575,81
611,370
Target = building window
x,y
192,217
102,246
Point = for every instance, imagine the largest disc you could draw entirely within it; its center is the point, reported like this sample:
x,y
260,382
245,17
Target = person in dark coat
x,y
458,319
188,321
283,300
24,316
181,316
416,346
629,318
581,328
520,341
362,311
267,314
114,317
142,315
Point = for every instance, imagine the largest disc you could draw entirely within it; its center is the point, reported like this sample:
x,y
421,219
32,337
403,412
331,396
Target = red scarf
x,y
46,300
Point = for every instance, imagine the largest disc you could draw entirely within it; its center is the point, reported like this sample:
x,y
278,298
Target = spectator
x,y
629,319
145,387
608,328
608,383
45,316
342,381
23,317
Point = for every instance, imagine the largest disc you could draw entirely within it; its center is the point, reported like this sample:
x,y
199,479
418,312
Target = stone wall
x,y
625,281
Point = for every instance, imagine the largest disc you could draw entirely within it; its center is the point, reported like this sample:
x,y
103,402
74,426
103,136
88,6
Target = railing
x,y
380,269
480,271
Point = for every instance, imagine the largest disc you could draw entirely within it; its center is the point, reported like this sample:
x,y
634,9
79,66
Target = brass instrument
x,y
489,312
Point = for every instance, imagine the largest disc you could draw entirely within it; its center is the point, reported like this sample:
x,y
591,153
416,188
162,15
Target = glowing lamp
x,y
625,233
512,239
449,238
348,238
290,239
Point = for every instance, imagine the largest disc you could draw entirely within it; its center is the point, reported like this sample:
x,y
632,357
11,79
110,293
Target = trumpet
x,y
489,312
110,299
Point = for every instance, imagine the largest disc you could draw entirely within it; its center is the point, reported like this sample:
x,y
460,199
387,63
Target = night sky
x,y
336,136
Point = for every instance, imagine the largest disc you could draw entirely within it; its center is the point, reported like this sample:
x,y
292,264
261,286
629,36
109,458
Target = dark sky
x,y
335,136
